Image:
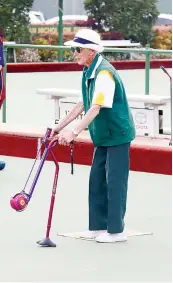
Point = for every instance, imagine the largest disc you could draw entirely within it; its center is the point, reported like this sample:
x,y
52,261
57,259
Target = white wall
x,y
50,8
72,7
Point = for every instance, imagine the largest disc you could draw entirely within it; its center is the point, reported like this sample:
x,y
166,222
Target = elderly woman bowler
x,y
111,127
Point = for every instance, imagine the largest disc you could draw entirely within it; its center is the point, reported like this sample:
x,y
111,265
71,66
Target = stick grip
x,y
166,72
163,68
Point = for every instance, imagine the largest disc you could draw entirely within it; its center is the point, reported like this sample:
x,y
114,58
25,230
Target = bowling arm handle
x,y
54,142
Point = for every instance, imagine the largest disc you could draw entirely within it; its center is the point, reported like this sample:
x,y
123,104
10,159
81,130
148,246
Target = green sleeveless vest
x,y
112,126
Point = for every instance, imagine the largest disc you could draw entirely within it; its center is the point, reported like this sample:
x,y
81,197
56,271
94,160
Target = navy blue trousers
x,y
108,188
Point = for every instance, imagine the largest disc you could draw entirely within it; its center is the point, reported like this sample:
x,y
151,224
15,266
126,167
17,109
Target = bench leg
x,y
156,121
56,111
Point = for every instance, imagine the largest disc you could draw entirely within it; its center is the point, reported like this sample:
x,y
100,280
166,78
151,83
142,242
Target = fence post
x,y
4,114
147,69
60,30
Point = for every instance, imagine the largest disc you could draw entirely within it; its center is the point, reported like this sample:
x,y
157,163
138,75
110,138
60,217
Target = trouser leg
x,y
98,191
117,178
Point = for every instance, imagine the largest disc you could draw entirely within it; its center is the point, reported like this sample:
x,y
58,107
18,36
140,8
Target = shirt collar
x,y
90,72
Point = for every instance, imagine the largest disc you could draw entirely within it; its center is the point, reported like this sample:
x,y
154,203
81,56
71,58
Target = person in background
x,y
111,127
2,89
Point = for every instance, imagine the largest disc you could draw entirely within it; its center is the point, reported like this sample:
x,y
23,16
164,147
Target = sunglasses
x,y
77,49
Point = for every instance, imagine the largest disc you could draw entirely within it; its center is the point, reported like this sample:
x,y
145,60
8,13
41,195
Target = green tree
x,y
133,18
14,19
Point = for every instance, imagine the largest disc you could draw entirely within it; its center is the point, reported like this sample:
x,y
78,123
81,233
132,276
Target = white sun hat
x,y
86,38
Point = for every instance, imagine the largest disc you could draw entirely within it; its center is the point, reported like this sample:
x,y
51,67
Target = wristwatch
x,y
74,133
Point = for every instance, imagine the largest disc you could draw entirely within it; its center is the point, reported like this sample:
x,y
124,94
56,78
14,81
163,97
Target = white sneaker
x,y
89,234
111,238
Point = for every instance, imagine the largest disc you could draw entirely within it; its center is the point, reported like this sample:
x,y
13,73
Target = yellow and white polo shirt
x,y
104,89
